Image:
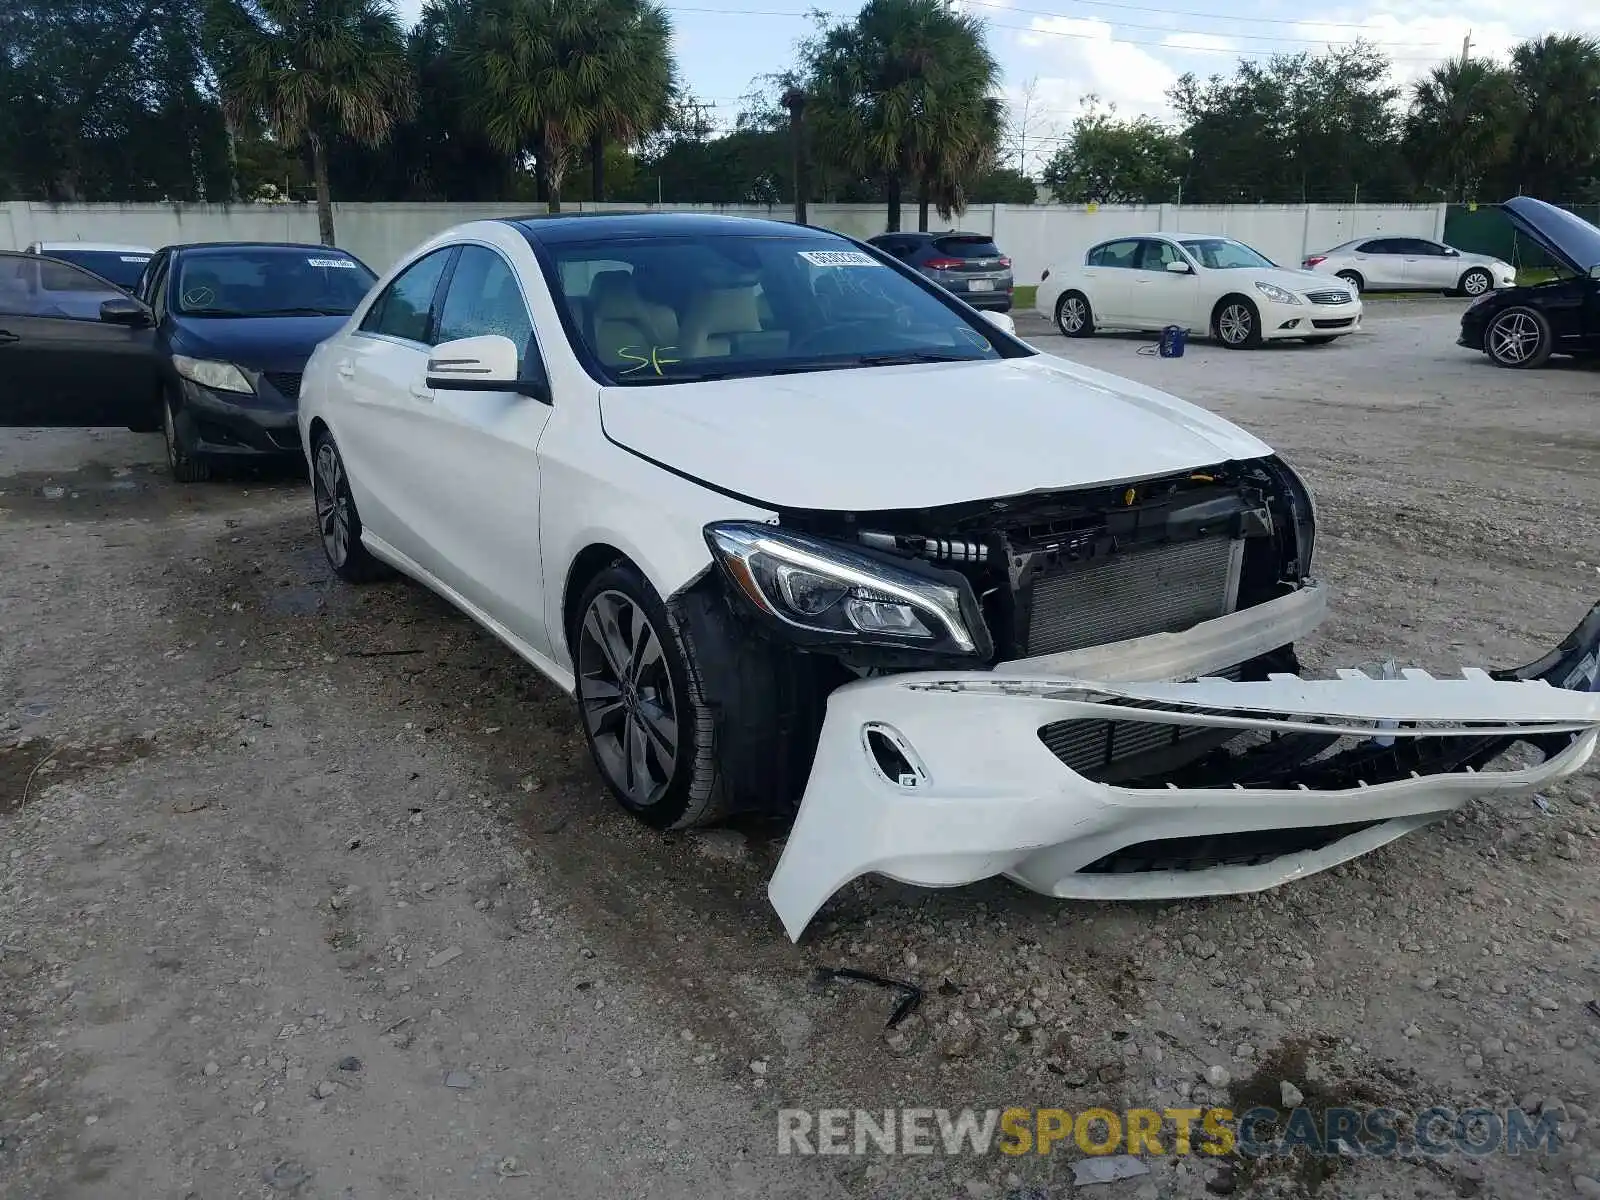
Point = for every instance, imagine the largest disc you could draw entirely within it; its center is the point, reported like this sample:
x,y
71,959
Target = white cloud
x,y
1074,57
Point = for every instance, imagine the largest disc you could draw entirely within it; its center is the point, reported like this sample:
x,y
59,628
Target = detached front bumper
x,y
942,779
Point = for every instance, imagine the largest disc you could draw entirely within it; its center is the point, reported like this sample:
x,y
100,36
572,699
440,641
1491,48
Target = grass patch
x,y
1022,295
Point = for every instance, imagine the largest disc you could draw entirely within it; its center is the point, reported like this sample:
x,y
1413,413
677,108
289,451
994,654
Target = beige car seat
x,y
625,320
715,319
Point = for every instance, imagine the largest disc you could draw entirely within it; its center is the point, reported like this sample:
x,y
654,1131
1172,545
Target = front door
x,y
60,365
1161,296
482,487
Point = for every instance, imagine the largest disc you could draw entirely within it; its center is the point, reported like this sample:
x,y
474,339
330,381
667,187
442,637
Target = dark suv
x,y
968,264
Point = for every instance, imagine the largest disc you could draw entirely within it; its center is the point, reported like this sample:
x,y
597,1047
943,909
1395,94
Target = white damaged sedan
x,y
804,533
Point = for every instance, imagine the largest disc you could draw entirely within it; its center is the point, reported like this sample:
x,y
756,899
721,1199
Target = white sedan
x,y
1208,285
803,533
1409,264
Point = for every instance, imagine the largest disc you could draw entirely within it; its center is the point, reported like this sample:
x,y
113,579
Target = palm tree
x,y
1558,81
1461,124
904,92
316,70
559,75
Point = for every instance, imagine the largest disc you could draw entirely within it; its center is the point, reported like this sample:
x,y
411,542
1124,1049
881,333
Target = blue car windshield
x,y
269,281
687,307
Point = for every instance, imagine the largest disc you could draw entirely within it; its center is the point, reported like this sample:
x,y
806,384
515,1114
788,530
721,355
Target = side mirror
x,y
1594,271
1452,252
126,311
1001,321
1178,268
481,364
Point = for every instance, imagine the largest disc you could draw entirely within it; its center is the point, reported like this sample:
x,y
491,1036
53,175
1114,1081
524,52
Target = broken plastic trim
x,y
910,993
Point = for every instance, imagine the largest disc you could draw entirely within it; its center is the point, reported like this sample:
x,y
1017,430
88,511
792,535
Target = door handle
x,y
7,337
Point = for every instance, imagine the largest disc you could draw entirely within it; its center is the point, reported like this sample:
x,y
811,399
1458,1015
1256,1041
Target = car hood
x,y
1567,236
918,436
262,343
1285,277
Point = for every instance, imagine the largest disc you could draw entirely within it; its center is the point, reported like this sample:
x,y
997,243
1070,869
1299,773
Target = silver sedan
x,y
1410,264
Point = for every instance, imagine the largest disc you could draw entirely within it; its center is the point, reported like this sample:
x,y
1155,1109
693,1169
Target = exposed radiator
x,y
1163,589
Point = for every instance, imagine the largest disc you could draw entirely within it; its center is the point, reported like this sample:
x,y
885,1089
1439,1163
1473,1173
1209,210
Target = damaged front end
x,y
1094,692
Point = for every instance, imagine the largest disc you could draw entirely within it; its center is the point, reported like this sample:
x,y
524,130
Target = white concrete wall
x,y
1033,235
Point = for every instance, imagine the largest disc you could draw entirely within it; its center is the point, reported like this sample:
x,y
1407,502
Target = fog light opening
x,y
893,756
1290,324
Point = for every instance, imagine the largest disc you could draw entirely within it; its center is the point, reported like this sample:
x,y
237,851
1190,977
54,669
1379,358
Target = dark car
x,y
122,265
968,264
1524,326
75,349
235,324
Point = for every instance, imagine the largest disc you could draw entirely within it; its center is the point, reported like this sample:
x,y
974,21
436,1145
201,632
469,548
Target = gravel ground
x,y
311,890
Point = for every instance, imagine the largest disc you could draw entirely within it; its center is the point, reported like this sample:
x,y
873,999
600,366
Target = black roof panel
x,y
555,228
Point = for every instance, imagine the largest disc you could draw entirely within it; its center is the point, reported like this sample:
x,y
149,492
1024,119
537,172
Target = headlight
x,y
839,594
1281,295
220,376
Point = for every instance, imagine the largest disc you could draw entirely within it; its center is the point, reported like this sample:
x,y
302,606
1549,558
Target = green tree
x,y
1557,78
1461,125
1111,161
904,94
314,70
557,76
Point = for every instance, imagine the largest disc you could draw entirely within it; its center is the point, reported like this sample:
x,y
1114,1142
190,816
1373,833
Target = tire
x,y
1476,282
186,465
1236,323
1074,316
338,522
639,702
1320,341
1353,278
1518,338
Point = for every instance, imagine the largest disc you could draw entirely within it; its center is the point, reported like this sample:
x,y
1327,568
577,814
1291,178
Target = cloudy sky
x,y
1127,53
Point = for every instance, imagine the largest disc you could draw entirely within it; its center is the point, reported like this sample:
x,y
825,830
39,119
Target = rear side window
x,y
405,310
1380,246
1113,254
966,247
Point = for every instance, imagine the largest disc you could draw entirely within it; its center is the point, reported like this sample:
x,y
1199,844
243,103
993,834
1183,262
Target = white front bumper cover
x,y
985,796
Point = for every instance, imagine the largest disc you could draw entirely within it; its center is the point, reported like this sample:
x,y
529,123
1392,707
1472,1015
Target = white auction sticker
x,y
135,258
331,262
839,258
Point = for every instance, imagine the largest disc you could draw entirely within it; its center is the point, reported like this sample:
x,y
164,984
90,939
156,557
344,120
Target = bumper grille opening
x,y
1245,849
1163,589
287,383
1116,751
1334,323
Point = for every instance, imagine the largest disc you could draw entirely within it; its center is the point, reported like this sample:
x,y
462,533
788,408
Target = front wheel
x,y
1476,282
186,465
640,714
1520,338
1237,323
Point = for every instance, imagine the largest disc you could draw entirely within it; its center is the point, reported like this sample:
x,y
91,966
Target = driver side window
x,y
405,310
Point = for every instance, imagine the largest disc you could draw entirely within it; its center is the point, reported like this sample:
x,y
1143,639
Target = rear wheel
x,y
338,522
1476,282
1073,315
1518,337
186,464
1237,323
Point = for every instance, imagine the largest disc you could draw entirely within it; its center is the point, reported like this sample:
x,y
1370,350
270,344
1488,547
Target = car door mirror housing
x,y
482,364
1178,268
1594,271
1001,321
125,310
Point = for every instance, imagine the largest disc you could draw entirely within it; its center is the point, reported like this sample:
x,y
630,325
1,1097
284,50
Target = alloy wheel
x,y
1514,338
625,692
1234,324
1074,314
332,499
1475,284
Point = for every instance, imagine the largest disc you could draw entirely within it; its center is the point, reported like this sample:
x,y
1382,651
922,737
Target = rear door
x,y
480,484
60,365
384,426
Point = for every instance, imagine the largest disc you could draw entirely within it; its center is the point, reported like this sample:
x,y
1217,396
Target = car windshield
x,y
1225,254
269,281
121,267
655,310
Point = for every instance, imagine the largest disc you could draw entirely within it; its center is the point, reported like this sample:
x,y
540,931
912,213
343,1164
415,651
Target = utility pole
x,y
1466,46
794,99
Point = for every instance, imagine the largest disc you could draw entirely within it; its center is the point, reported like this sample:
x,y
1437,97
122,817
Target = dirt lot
x,y
311,890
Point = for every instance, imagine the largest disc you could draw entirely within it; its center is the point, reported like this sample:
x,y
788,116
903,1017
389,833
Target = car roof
x,y
556,228
95,247
312,246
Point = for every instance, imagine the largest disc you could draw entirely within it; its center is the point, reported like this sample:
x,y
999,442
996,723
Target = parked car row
x,y
1224,289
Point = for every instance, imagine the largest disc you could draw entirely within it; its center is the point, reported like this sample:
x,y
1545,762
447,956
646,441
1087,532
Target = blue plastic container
x,y
1173,340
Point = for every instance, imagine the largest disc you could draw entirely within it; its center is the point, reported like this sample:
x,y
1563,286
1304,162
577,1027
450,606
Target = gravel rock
x,y
1217,1076
1292,1096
